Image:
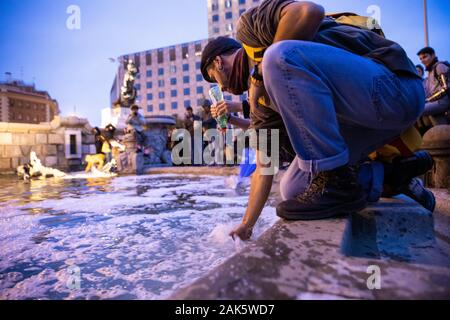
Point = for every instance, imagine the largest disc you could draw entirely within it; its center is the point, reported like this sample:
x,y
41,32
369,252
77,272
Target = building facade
x,y
223,16
169,78
22,103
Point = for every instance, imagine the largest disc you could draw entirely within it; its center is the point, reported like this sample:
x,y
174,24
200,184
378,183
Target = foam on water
x,y
131,237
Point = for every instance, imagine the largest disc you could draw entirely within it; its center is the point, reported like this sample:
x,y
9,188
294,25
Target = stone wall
x,y
48,140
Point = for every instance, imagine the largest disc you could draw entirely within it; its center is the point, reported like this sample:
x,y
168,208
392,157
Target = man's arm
x,y
259,193
299,21
441,75
243,124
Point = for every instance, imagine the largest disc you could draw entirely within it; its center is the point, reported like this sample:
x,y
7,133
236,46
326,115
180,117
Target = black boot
x,y
331,193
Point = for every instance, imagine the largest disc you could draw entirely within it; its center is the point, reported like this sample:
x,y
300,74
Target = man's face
x,y
219,71
427,59
189,112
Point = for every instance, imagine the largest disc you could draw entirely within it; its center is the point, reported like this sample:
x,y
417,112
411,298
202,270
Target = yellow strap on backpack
x,y
256,54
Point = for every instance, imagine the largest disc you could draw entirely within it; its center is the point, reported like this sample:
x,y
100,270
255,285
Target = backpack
x,y
345,18
435,69
354,20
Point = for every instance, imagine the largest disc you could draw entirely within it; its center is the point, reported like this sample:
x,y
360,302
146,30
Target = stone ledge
x,y
329,258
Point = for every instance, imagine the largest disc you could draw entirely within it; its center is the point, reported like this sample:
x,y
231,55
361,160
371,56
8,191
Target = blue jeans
x,y
337,107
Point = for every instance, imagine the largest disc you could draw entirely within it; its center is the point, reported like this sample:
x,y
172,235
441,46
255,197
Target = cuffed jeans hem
x,y
315,166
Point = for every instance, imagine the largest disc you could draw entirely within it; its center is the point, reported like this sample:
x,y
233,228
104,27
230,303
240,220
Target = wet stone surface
x,y
330,259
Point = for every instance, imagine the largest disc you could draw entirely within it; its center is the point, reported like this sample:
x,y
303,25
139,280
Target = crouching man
x,y
341,92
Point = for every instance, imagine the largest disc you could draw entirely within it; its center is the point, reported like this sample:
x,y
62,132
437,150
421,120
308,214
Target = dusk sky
x,y
74,66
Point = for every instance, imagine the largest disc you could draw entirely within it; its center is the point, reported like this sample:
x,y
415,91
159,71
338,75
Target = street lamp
x,y
425,13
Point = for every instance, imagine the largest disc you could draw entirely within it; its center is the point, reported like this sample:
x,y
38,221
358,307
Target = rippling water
x,y
123,238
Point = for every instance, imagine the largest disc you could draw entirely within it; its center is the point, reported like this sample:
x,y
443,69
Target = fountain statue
x,y
144,138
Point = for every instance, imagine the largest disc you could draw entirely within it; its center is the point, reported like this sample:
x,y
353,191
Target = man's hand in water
x,y
243,231
225,107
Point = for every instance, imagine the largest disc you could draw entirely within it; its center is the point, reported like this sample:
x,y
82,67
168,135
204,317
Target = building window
x,y
216,30
199,78
214,6
228,15
200,102
148,59
172,54
173,93
241,12
160,71
174,105
185,67
229,98
198,65
173,81
137,60
185,51
160,83
241,2
228,4
73,144
137,86
186,79
215,18
229,27
198,47
187,91
149,73
173,69
199,90
149,85
187,103
160,56
149,96
161,95
162,107
149,108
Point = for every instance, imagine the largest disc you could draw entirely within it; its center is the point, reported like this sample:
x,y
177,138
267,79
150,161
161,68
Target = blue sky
x,y
73,65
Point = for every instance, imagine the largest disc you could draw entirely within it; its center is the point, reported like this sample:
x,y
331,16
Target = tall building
x,y
170,78
22,103
224,14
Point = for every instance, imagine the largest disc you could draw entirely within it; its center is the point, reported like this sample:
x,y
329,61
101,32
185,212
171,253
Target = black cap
x,y
214,48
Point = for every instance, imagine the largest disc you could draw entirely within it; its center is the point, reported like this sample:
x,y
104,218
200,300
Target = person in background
x,y
136,122
436,85
98,140
420,70
208,120
189,121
